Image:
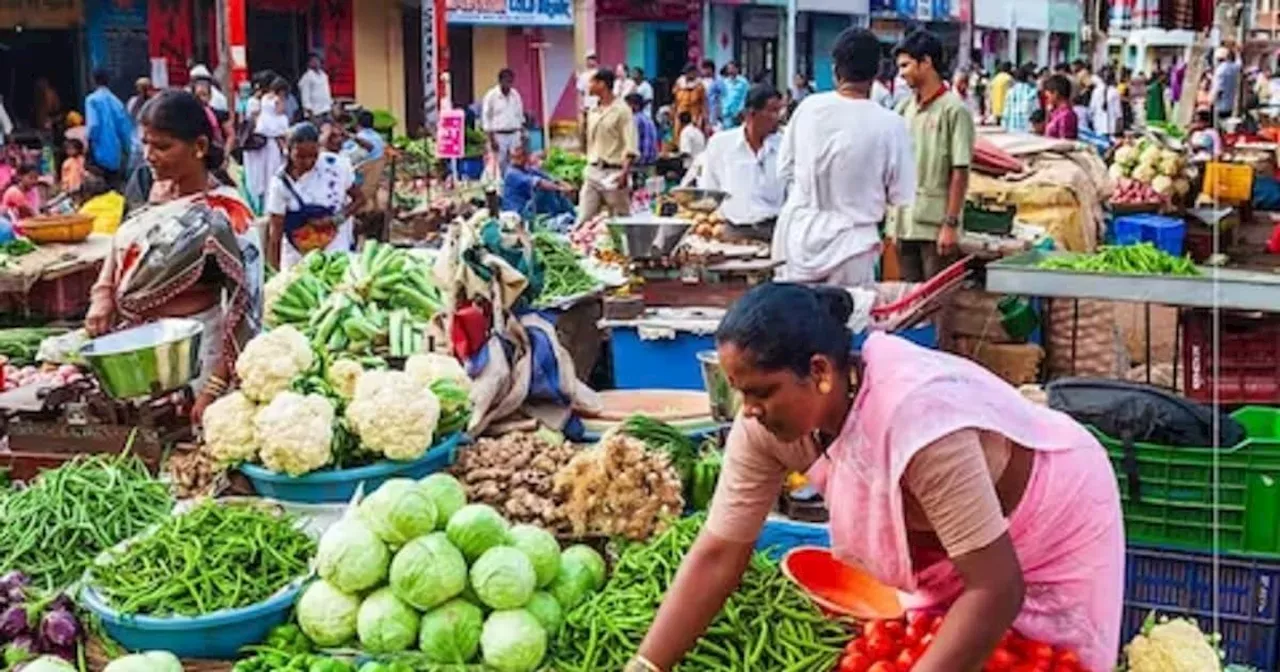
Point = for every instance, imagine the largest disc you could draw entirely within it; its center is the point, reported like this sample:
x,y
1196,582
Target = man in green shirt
x,y
927,232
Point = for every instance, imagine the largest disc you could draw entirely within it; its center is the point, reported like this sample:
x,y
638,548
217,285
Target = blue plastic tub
x,y
780,535
1180,583
470,168
1166,233
338,485
219,635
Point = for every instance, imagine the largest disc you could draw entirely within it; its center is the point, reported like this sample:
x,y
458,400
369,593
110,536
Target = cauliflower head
x,y
394,414
228,429
270,361
1144,173
1126,155
1149,156
1172,646
432,367
342,375
295,433
1117,171
1162,185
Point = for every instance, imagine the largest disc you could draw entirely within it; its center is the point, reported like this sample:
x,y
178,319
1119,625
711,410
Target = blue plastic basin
x,y
219,635
338,485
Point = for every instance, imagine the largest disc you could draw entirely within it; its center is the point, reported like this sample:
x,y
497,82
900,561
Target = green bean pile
x,y
217,556
1137,259
54,529
767,624
563,276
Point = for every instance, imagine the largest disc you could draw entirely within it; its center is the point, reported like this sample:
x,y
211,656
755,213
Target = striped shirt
x,y
1019,103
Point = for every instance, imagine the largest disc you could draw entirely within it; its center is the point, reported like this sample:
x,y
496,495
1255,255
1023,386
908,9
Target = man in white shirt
x,y
586,101
502,118
845,160
692,141
645,89
313,87
217,99
743,161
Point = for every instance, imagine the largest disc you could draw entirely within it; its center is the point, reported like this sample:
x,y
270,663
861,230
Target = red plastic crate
x,y
1249,358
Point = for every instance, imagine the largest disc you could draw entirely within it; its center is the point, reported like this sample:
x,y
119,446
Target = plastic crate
x,y
1233,595
1178,506
1230,183
1166,233
780,535
1248,358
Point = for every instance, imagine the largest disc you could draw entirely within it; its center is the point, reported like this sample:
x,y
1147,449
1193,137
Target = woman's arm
x,y
275,235
102,303
356,200
709,573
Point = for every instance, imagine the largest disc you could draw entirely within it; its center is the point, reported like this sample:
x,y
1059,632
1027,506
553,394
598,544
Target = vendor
x,y
997,511
21,198
224,291
744,162
529,191
311,201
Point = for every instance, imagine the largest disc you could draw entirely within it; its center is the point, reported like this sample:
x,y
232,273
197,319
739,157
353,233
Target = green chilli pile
x,y
216,556
54,528
564,276
767,624
1137,259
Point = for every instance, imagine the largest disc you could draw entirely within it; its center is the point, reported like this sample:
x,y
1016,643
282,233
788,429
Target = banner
x,y
451,137
169,33
336,39
511,12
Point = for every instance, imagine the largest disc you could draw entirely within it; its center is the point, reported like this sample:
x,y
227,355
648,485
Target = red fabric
x,y
336,36
169,36
1273,245
468,330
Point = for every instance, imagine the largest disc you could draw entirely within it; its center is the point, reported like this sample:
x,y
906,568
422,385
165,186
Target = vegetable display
x,y
214,557
767,624
1146,171
55,527
619,487
1137,259
564,276
32,623
10,250
660,436
20,346
565,166
897,645
514,473
1171,645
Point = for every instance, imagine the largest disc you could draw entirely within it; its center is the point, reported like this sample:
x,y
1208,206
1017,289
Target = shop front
x,y
1065,19
42,69
820,23
660,36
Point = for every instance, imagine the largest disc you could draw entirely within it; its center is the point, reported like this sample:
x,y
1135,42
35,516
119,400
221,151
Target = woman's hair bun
x,y
837,302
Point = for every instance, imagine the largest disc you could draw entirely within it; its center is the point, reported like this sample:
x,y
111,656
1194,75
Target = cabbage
x,y
468,594
351,556
399,511
151,661
450,633
476,528
513,641
327,615
50,664
428,571
585,555
448,495
541,547
504,578
386,624
547,610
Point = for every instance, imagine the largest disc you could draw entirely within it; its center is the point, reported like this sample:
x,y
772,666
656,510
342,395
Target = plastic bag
x,y
107,211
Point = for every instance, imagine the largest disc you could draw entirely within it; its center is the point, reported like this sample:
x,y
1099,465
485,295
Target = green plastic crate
x,y
1178,499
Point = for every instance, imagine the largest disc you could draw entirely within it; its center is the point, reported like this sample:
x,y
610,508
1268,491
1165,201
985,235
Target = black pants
x,y
920,260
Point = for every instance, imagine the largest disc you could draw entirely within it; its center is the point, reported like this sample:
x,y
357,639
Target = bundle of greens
x,y
564,276
566,166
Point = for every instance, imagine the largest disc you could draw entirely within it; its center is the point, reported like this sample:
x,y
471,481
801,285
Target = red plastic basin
x,y
840,588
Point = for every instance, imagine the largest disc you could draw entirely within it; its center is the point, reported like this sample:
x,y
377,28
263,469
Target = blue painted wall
x,y
826,28
116,37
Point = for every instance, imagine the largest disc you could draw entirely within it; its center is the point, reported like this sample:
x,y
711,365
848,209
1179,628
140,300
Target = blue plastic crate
x,y
780,535
1178,583
1166,233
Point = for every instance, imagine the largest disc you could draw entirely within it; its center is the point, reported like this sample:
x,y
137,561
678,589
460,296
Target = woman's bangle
x,y
641,664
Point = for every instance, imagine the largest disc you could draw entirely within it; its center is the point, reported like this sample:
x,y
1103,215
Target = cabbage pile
x,y
414,567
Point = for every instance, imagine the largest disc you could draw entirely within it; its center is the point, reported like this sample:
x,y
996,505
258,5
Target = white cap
x,y
201,72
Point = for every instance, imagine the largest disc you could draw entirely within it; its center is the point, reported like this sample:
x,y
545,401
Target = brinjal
x,y
14,622
59,628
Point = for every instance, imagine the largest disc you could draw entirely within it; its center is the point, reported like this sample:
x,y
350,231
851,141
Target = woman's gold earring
x,y
824,387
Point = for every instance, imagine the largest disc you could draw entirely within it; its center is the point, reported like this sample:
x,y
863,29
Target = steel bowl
x,y
698,200
725,401
148,360
647,237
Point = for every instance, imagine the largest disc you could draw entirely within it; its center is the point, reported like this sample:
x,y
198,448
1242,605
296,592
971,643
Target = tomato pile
x,y
895,646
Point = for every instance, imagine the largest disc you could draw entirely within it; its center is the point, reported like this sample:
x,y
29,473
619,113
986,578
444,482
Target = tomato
x,y
1000,661
921,621
859,645
854,662
906,660
914,633
1065,657
880,647
883,666
895,629
1037,652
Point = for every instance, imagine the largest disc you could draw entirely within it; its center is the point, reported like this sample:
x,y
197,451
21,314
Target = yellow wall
x,y
379,47
489,56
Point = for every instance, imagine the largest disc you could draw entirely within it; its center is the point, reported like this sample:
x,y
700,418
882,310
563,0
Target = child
x,y
15,203
73,166
1204,139
1037,121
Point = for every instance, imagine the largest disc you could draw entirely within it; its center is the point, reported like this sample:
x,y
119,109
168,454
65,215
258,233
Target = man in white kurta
x,y
502,118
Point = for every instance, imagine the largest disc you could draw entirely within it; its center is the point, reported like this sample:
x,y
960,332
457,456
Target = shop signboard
x,y
511,12
47,14
451,136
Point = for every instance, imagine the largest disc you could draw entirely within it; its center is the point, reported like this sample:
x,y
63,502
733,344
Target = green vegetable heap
x,y
12,249
767,624
379,301
563,273
217,556
53,529
1138,259
20,346
566,166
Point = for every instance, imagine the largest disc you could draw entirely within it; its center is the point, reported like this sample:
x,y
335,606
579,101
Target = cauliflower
x,y
342,375
1162,185
431,367
270,362
228,429
1170,168
1181,186
1149,156
295,433
1117,171
393,414
1144,173
1126,156
1172,646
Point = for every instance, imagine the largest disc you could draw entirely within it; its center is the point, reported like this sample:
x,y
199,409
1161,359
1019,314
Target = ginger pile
x,y
515,474
619,487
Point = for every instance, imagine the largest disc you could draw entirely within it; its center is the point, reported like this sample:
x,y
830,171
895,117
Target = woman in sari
x,y
311,201
691,97
191,253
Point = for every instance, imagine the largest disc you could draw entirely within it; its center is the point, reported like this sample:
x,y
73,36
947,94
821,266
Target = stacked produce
x,y
565,166
1136,259
21,346
706,225
563,275
1171,645
54,528
32,624
242,553
414,567
377,302
149,661
620,487
298,411
287,648
1147,172
10,250
766,624
515,473
896,646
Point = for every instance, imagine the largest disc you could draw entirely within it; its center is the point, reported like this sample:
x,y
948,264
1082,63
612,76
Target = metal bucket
x,y
148,360
725,401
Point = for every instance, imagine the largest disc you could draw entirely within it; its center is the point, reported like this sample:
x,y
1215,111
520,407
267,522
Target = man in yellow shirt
x,y
612,147
999,88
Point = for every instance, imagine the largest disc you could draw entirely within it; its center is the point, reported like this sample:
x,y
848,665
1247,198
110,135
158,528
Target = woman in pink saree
x,y
940,480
